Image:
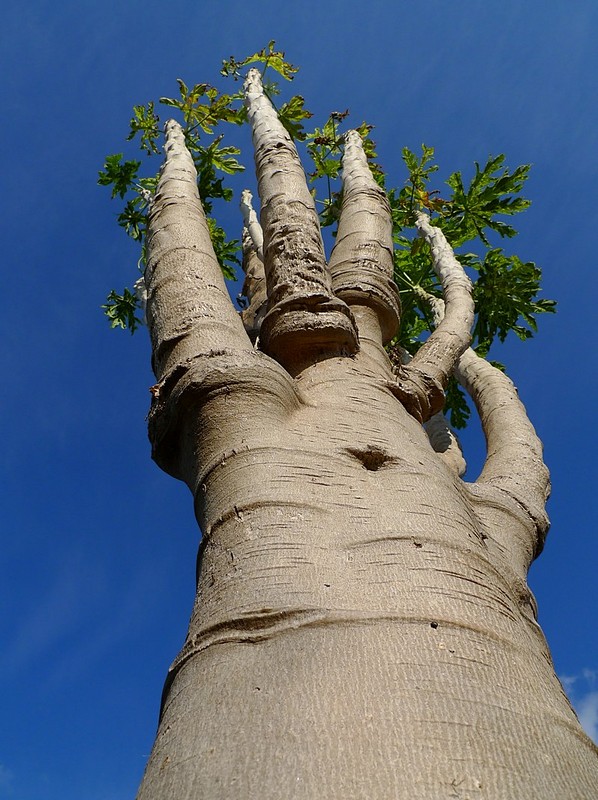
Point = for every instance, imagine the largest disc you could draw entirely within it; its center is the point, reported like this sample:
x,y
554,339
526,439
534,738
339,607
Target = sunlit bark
x,y
440,353
362,626
254,286
302,308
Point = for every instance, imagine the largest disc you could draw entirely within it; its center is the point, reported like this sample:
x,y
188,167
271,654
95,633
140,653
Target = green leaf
x,y
274,59
120,310
421,168
120,176
145,123
291,114
506,299
133,219
209,159
493,192
205,115
221,158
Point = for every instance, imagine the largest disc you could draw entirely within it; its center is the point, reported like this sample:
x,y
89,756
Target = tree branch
x,y
439,354
440,435
445,443
254,286
514,460
303,313
188,307
251,223
361,263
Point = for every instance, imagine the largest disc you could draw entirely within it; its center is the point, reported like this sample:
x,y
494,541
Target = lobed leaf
x,y
291,114
506,298
145,123
121,176
493,192
121,308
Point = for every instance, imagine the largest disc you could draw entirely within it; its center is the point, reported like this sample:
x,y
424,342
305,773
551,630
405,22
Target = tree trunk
x,y
363,627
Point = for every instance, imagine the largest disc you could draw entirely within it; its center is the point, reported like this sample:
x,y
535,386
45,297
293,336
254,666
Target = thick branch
x,y
514,460
445,443
251,223
438,356
188,308
361,263
421,384
440,435
303,313
254,286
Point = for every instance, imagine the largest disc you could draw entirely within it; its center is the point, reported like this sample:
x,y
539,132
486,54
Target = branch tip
x,y
251,222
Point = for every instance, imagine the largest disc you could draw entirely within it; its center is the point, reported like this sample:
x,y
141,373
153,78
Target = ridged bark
x,y
254,285
362,628
361,263
440,352
189,310
303,315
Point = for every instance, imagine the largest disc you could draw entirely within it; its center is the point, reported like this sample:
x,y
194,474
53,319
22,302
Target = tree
x,y
363,626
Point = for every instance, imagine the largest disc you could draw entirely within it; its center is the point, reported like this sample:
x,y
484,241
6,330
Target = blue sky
x,y
96,579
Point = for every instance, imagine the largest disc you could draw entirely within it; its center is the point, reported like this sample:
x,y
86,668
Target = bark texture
x,y
301,303
363,629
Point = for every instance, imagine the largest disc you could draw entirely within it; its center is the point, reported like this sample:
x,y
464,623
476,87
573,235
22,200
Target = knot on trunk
x,y
420,394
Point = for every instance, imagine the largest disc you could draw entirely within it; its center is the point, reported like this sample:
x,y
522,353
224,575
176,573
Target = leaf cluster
x,y
505,288
120,175
121,310
493,192
203,107
268,56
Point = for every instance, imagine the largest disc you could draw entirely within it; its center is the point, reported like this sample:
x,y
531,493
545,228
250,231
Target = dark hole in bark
x,y
372,458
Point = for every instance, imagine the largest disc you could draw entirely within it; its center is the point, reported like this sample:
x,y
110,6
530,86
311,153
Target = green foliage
x,y
121,176
505,296
225,249
472,213
492,192
291,114
120,310
456,407
204,107
145,122
268,56
505,288
208,161
324,146
133,219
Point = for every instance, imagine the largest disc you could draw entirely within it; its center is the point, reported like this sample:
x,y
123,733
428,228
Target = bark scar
x,y
373,458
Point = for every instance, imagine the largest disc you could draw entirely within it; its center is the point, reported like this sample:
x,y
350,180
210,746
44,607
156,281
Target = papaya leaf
x,y
493,191
274,59
121,176
506,299
121,308
291,114
225,249
133,219
145,122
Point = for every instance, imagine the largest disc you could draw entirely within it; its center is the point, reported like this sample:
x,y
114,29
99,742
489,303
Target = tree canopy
x,y
474,213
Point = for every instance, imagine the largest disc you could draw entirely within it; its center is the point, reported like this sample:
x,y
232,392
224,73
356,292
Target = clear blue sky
x,y
97,573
